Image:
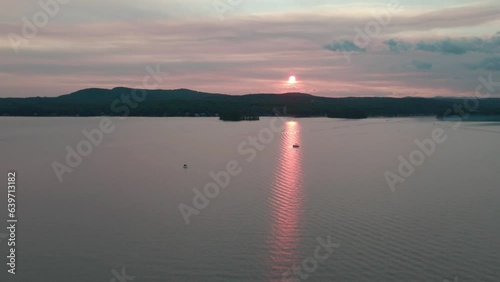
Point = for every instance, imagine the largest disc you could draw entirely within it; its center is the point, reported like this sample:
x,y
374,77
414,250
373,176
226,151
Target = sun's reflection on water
x,y
286,204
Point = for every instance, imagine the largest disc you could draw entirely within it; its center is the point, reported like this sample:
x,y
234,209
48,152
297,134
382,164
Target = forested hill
x,y
184,102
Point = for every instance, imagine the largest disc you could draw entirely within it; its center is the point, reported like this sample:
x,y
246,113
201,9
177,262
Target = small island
x,y
237,117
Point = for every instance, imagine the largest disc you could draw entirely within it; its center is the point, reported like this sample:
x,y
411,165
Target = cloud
x,y
490,64
462,45
447,46
398,46
344,46
421,65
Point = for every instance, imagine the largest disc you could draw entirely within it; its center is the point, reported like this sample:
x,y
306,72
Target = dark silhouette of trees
x,y
184,102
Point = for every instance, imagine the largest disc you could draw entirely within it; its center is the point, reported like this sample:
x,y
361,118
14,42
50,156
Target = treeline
x,y
184,102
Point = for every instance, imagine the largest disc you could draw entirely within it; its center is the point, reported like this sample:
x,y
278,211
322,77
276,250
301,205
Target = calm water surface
x,y
120,206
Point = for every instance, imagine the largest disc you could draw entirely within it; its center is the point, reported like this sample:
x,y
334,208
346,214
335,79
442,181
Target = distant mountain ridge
x,y
107,94
185,102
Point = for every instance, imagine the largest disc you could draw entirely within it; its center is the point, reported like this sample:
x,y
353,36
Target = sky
x,y
334,48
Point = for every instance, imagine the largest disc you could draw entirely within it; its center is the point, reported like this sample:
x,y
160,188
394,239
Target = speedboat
x,y
296,145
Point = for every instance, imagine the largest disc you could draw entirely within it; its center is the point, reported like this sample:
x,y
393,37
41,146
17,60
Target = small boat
x,y
185,166
296,145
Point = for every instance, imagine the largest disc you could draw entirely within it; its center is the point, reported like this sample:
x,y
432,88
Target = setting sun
x,y
292,79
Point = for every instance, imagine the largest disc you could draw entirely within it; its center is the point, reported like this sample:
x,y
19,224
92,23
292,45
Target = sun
x,y
292,80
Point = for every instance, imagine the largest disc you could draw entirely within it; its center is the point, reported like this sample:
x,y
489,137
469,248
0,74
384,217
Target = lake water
x,y
120,206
